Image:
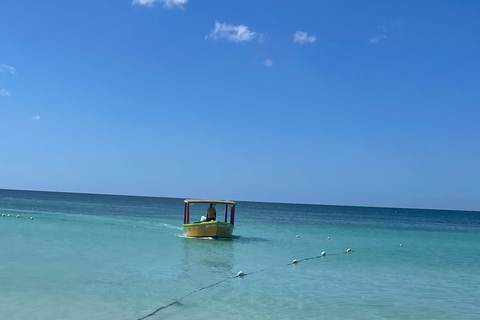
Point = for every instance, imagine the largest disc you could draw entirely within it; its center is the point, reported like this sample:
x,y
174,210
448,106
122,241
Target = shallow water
x,y
116,257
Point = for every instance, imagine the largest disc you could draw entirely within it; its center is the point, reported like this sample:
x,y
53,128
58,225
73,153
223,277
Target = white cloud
x,y
268,63
166,3
261,37
238,33
36,118
383,33
377,38
383,29
4,93
7,68
302,37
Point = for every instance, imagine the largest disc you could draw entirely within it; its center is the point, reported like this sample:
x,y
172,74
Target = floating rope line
x,y
177,301
239,275
154,312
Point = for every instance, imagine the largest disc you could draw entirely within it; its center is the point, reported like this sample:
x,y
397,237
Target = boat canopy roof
x,y
227,202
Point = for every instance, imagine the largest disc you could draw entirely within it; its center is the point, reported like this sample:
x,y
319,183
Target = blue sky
x,y
369,103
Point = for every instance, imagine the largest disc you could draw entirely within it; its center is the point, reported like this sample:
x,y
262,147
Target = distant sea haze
x,y
86,256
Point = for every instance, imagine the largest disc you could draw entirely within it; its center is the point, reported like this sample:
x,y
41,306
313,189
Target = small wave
x,y
154,225
198,238
207,238
26,211
182,235
166,225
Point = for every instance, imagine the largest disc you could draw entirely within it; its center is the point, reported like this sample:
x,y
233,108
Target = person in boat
x,y
211,213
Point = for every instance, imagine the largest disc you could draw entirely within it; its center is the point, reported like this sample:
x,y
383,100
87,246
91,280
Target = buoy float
x,y
297,235
294,261
323,253
328,238
31,218
240,274
3,214
401,245
18,216
8,215
348,250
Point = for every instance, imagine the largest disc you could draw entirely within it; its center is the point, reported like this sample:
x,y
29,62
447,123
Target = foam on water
x,y
82,258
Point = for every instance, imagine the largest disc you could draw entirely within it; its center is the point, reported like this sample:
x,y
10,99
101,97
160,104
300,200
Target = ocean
x,y
87,256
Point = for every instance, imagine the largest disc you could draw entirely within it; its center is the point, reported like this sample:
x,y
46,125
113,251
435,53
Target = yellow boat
x,y
212,228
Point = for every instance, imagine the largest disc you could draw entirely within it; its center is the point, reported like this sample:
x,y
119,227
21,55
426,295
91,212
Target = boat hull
x,y
216,229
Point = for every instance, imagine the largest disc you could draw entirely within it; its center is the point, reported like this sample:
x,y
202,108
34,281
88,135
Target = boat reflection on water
x,y
204,256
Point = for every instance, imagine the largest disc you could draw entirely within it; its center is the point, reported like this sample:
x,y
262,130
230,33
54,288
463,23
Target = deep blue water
x,y
86,256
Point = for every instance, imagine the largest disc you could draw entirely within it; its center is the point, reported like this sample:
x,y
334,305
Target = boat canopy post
x,y
188,212
185,214
232,215
226,211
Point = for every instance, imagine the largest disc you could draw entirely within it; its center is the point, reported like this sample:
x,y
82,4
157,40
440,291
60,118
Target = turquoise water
x,y
117,257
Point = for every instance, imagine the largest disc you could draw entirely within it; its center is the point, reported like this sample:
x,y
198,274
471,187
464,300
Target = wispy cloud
x,y
268,63
4,93
261,37
8,68
383,30
231,33
166,3
377,38
36,118
302,37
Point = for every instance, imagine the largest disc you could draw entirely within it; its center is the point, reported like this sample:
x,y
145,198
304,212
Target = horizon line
x,y
255,201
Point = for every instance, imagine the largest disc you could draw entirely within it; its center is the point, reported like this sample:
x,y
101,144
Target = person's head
x,y
211,205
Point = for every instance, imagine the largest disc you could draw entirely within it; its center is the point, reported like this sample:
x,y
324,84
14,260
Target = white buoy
x,y
323,253
328,238
297,235
3,214
294,261
401,245
348,250
31,218
18,216
240,274
8,215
